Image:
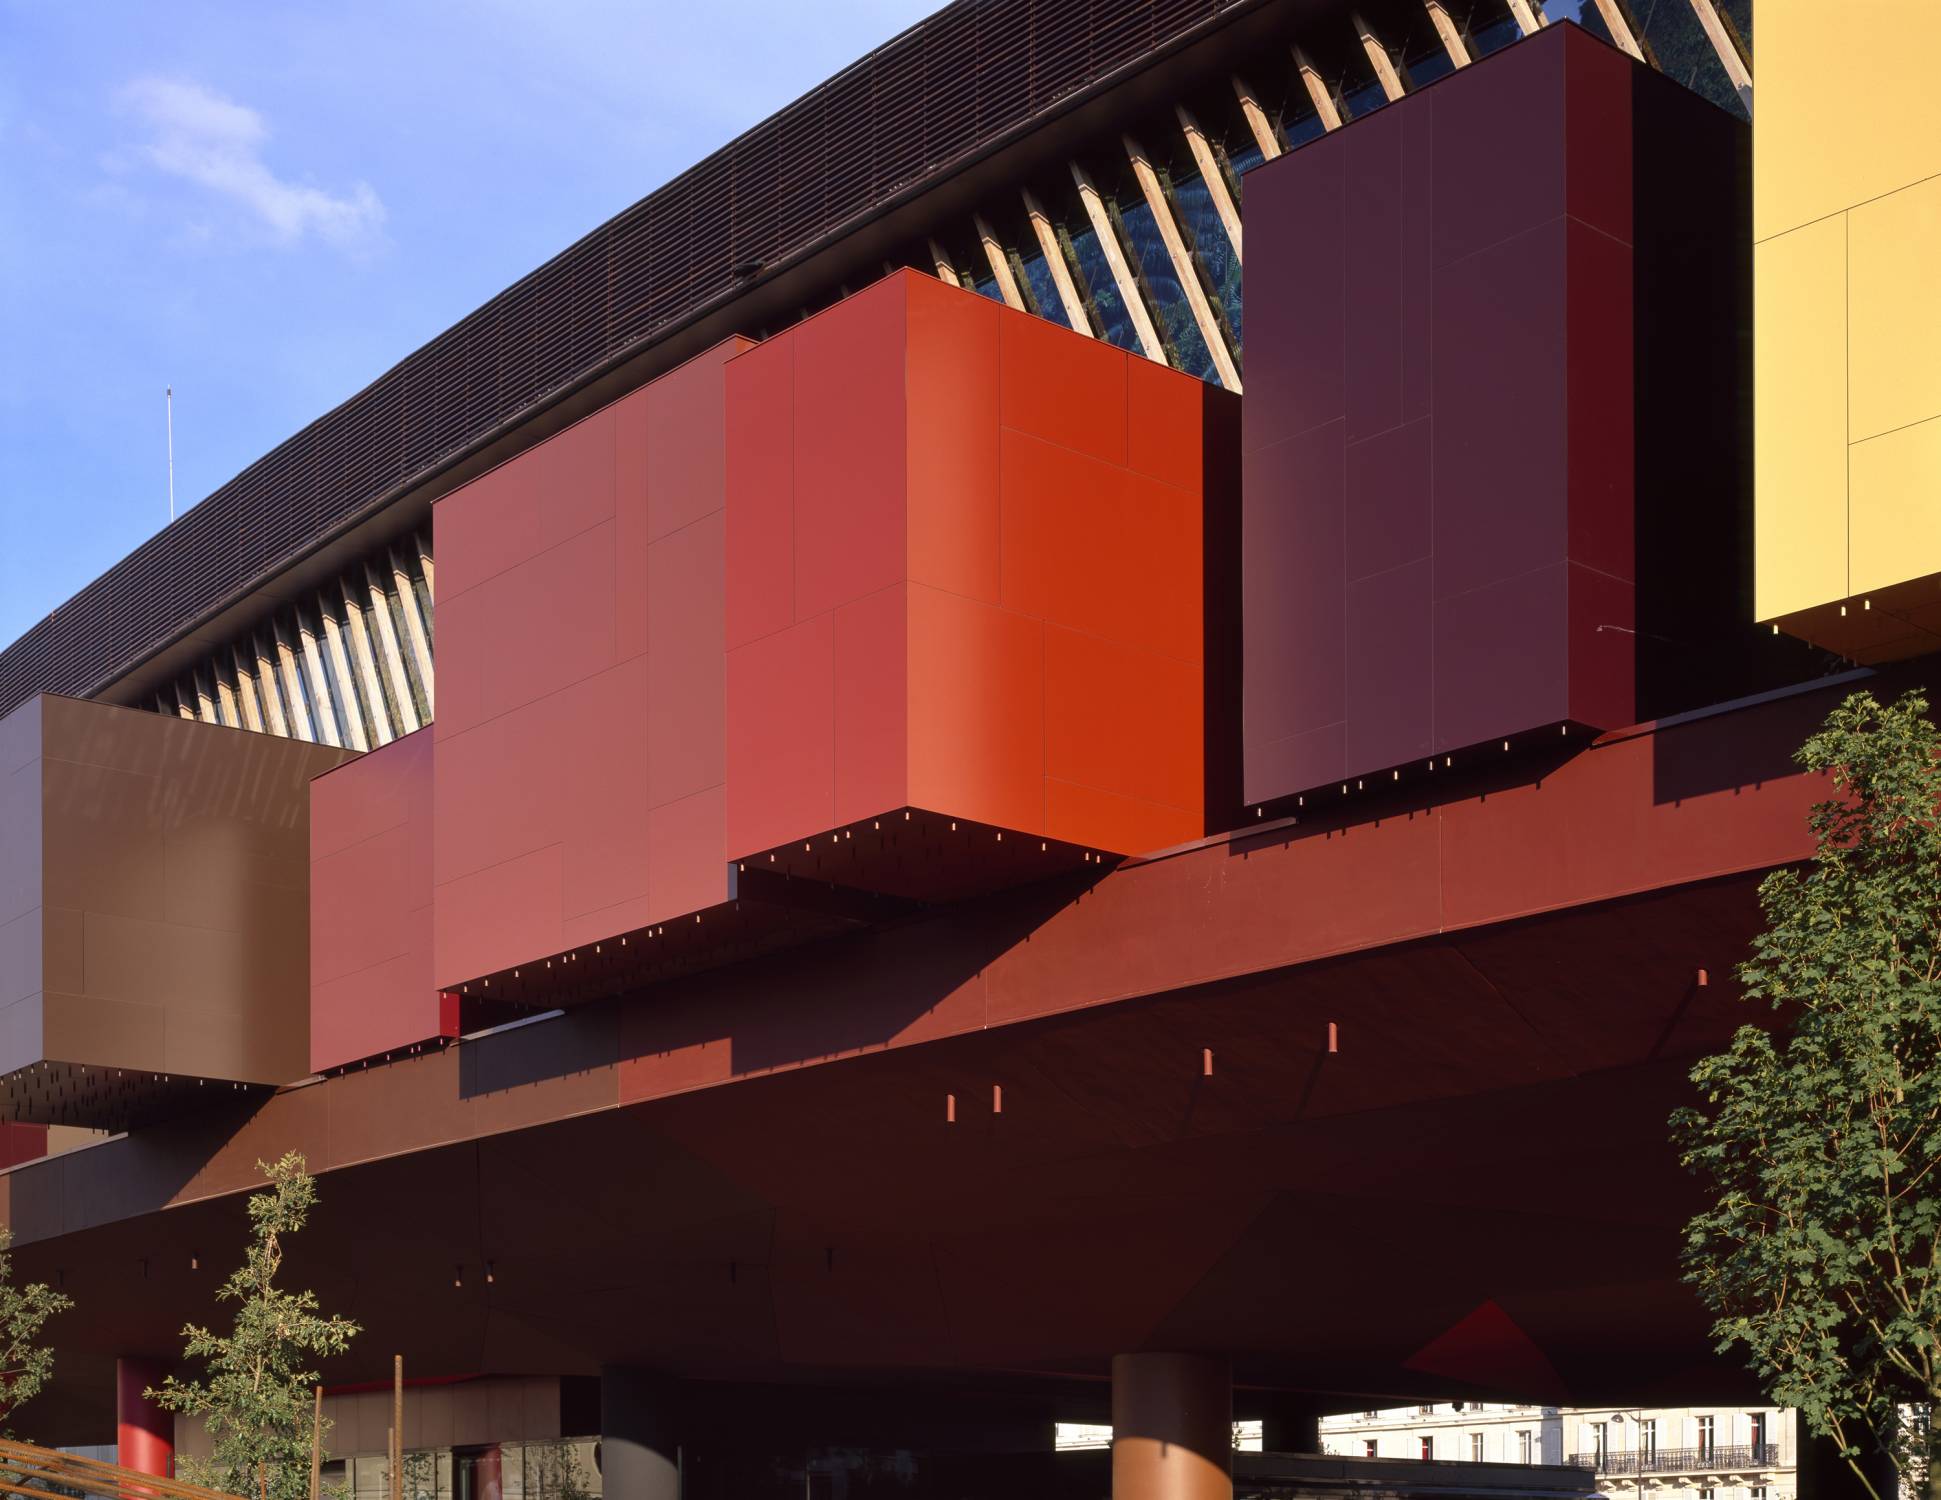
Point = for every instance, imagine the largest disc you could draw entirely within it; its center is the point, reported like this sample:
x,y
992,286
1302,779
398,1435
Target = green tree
x,y
25,1364
1820,1140
257,1394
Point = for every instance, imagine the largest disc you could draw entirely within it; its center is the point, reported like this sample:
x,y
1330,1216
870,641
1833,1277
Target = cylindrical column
x,y
144,1433
1172,1427
640,1456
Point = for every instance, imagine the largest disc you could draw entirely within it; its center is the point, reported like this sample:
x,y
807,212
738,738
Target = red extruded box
x,y
964,596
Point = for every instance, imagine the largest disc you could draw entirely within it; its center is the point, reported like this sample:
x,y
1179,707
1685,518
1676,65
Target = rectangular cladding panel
x,y
371,987
581,753
154,903
1437,437
964,576
1847,234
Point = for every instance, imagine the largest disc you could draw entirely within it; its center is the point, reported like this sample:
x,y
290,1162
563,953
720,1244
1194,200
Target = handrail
x,y
1713,1458
44,1471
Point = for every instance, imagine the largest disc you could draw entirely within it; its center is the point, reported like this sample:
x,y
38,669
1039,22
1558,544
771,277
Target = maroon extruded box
x,y
1439,421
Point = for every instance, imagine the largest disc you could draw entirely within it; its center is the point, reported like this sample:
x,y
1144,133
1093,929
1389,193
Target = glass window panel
x,y
1115,322
1244,160
1170,309
1302,128
1739,13
1584,12
1425,57
1426,67
1489,33
986,286
1044,291
1208,235
1362,99
1685,53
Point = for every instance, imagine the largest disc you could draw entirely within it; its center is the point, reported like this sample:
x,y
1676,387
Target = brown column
x,y
1172,1427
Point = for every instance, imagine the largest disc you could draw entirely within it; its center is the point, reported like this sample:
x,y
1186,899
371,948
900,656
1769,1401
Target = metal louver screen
x,y
909,110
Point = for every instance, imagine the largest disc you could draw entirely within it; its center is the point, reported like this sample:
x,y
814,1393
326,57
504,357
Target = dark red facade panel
x,y
580,738
1438,429
371,987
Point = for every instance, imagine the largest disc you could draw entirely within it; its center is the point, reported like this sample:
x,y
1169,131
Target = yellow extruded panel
x,y
1847,311
1799,384
1848,107
1894,304
1896,483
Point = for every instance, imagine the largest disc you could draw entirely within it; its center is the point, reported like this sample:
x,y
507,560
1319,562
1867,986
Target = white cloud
x,y
217,144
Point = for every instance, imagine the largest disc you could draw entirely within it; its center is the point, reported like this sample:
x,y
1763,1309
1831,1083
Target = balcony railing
x,y
1718,1458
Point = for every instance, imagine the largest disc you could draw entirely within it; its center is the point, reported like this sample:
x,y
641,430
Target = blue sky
x,y
267,205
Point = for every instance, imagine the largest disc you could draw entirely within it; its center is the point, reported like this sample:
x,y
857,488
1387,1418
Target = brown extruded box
x,y
154,910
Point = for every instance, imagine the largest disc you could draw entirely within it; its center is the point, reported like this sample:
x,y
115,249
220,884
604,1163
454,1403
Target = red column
x,y
144,1433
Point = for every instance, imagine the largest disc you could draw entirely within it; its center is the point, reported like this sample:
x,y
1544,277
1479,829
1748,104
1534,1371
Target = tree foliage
x,y
1821,1140
26,1365
256,1397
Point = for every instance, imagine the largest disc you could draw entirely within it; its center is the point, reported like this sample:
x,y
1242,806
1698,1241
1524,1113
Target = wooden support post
x,y
1445,26
1122,277
299,708
320,694
1317,92
1620,28
1526,17
340,659
1183,267
419,637
1380,61
205,701
1007,284
1054,254
1257,121
226,708
366,662
1727,49
266,685
385,638
946,272
1212,175
246,691
316,1447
